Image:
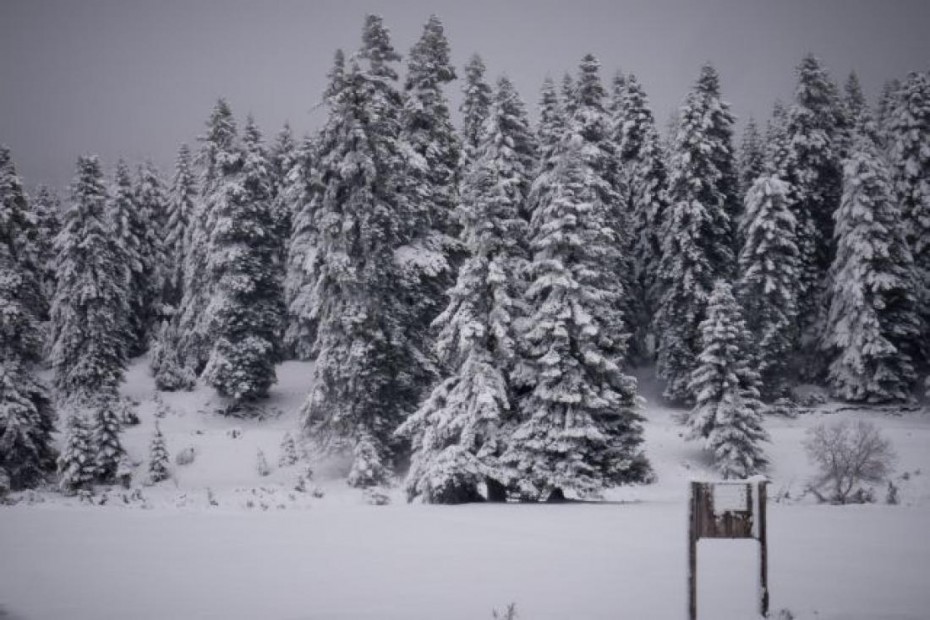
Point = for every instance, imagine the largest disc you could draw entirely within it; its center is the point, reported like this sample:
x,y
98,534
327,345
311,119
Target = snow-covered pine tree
x,y
908,136
853,99
591,121
727,414
698,236
167,366
475,108
152,203
89,335
181,209
46,211
551,127
768,285
779,154
429,261
26,242
645,185
367,374
885,110
811,165
26,414
27,417
849,107
289,455
568,94
246,303
128,229
751,158
428,128
514,121
284,160
105,436
549,133
76,467
872,327
158,457
457,434
220,156
617,96
579,428
303,259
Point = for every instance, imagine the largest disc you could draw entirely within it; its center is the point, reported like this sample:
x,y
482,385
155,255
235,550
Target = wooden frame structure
x,y
739,513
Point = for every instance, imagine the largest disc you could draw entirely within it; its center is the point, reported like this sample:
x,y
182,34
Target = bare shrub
x,y
848,454
508,613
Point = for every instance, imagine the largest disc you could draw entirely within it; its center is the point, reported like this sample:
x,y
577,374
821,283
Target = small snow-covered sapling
x,y
158,461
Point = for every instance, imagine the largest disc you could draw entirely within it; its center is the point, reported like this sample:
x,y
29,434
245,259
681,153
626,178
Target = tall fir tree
x,y
428,129
128,229
618,95
580,429
568,94
908,137
429,261
885,109
246,304
850,106
751,158
551,125
644,187
220,157
872,326
151,199
591,120
698,238
46,211
853,99
476,105
284,159
810,163
767,288
458,432
367,373
727,414
549,133
89,335
27,243
26,415
181,209
303,258
512,117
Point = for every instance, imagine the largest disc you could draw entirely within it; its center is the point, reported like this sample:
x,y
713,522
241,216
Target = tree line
x,y
474,299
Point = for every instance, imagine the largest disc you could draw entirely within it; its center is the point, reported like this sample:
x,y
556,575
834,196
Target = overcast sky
x,y
134,79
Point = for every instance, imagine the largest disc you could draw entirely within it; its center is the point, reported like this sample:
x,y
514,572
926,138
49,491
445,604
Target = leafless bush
x,y
508,613
847,455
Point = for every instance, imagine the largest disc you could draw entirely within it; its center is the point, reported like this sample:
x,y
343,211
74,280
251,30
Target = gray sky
x,y
134,79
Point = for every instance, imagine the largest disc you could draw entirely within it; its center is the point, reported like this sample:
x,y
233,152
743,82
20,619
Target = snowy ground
x,y
265,550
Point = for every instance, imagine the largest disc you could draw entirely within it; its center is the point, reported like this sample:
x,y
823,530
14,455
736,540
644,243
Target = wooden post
x,y
744,519
763,554
693,508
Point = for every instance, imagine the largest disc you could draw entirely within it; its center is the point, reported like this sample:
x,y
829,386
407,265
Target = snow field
x,y
338,557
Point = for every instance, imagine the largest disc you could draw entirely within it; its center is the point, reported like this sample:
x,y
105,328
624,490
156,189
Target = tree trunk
x,y
496,491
